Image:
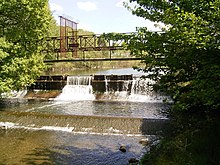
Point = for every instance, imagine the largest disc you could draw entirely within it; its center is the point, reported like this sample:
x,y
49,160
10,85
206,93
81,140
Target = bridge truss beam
x,y
94,59
81,45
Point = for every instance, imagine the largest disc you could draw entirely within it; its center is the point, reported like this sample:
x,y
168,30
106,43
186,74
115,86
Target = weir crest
x,y
109,87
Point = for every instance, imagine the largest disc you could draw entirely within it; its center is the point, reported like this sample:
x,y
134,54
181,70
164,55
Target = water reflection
x,y
102,108
45,147
122,71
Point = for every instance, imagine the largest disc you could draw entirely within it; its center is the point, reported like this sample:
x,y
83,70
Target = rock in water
x,y
144,142
3,127
133,161
122,148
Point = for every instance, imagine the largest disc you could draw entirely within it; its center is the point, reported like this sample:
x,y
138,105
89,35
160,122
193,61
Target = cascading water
x,y
77,88
142,91
137,90
119,91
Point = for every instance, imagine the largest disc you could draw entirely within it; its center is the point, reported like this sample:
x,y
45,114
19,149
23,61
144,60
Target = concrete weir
x,y
98,82
99,87
84,124
103,83
49,83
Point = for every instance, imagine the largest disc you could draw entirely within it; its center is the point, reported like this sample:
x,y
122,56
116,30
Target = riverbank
x,y
194,139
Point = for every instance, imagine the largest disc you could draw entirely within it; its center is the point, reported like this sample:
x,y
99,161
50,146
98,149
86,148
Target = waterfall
x,y
142,90
118,91
136,90
77,88
142,86
79,80
114,87
106,85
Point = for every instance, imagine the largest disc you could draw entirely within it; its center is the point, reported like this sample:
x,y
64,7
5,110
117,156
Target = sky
x,y
99,16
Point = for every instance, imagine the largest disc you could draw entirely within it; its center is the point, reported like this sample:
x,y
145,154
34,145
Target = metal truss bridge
x,y
84,48
71,47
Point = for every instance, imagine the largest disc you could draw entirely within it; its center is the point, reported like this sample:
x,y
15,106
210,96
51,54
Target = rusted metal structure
x,y
68,36
79,45
93,42
70,46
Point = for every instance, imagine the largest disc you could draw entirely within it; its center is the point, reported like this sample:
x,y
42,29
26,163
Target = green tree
x,y
185,56
23,23
184,59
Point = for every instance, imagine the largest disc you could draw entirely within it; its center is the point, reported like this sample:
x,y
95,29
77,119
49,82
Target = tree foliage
x,y
185,56
184,59
23,23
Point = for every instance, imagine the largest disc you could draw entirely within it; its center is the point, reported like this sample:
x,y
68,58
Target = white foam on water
x,y
14,94
53,128
145,98
76,93
111,131
79,88
44,106
6,125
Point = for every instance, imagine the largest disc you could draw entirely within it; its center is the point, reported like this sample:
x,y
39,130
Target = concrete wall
x,y
99,83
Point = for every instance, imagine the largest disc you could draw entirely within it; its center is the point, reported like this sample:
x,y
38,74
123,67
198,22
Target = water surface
x,y
80,131
18,146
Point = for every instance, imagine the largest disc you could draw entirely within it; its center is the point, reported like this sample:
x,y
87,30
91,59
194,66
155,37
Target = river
x,y
80,131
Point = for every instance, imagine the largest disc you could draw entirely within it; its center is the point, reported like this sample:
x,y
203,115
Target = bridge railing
x,y
84,43
77,47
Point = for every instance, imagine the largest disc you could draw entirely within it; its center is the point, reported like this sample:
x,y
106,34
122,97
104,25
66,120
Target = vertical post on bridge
x,y
62,37
110,51
68,37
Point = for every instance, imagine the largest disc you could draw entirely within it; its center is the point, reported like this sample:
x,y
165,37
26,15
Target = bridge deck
x,y
92,59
